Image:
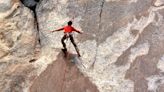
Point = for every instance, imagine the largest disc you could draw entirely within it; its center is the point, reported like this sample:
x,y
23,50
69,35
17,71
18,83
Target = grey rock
x,y
121,47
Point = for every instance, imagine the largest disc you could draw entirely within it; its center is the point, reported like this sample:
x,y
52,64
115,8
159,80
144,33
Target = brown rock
x,y
62,76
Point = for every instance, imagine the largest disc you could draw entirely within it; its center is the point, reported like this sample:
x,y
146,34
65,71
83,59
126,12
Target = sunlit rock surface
x,y
17,44
121,47
122,41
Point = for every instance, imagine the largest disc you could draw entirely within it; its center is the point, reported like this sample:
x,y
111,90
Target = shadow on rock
x,y
63,76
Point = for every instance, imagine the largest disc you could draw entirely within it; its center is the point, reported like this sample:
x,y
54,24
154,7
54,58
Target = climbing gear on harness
x,y
68,34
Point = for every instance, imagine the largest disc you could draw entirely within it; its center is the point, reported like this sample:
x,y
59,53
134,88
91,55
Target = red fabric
x,y
68,29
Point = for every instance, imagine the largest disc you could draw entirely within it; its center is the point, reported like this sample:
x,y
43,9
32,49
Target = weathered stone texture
x,y
121,47
122,40
17,44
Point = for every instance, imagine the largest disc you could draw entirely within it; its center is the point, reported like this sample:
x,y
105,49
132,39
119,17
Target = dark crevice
x,y
32,60
101,10
31,4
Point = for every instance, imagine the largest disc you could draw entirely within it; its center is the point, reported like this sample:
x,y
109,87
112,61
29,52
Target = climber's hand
x,y
52,31
81,32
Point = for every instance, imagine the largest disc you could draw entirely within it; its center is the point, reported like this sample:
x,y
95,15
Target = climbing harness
x,y
67,37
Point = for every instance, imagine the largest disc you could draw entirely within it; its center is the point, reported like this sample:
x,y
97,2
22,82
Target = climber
x,y
68,34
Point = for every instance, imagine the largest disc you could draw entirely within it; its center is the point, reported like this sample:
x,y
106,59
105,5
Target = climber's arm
x,y
78,31
58,30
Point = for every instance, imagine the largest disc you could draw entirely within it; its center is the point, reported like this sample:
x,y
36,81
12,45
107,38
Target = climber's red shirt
x,y
69,29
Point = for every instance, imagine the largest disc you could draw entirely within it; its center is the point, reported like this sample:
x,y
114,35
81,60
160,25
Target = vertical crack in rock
x,y
99,27
31,4
92,65
100,14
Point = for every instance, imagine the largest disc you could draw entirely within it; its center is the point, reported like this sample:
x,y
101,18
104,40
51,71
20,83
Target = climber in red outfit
x,y
68,34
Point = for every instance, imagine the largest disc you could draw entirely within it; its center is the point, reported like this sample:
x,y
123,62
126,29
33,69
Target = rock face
x,y
17,44
122,41
16,30
18,47
121,47
62,76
